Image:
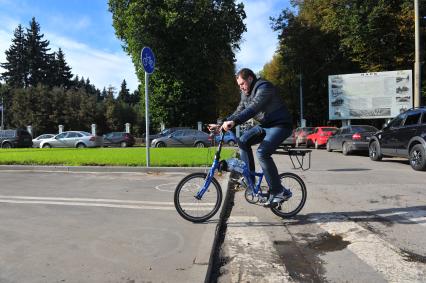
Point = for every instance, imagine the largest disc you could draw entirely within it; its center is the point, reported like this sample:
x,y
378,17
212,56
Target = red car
x,y
320,136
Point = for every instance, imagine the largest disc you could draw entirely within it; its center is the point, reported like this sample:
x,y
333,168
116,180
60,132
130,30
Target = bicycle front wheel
x,y
192,208
293,205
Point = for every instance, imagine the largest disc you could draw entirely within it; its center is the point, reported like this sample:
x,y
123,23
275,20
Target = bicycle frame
x,y
213,168
246,173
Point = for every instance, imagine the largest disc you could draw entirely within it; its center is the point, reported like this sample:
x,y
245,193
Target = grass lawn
x,y
134,156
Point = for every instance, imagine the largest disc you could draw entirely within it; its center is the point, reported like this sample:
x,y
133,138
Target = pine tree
x,y
16,66
39,60
123,94
62,72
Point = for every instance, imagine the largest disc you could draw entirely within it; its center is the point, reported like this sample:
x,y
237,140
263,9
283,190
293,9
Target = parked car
x,y
77,139
320,136
291,140
15,138
164,133
121,139
187,137
351,138
404,136
301,134
229,138
39,139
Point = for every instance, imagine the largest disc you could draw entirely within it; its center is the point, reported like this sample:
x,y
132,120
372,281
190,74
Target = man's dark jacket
x,y
264,105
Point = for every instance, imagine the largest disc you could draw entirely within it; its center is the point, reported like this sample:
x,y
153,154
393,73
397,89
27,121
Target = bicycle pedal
x,y
238,188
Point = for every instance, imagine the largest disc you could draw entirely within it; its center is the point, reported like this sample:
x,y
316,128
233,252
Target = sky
x,y
83,30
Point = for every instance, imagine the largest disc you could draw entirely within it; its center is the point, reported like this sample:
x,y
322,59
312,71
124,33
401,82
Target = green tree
x,y
112,112
329,37
124,94
16,67
38,58
61,71
194,43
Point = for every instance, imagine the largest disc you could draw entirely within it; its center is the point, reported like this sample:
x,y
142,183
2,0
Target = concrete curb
x,y
214,262
117,169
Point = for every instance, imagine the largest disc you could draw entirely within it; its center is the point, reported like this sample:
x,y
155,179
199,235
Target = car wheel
x,y
160,144
418,158
46,145
374,151
6,145
345,149
199,145
231,143
81,145
328,147
123,144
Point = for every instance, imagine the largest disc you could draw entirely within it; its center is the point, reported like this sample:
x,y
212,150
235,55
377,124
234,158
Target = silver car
x,y
187,137
77,139
39,139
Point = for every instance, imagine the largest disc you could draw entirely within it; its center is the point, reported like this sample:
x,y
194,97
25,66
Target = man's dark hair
x,y
245,73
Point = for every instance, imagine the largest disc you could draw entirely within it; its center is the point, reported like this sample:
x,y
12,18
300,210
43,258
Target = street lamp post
x,y
417,76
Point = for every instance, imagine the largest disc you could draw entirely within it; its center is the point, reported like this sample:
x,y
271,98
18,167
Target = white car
x,y
77,139
39,139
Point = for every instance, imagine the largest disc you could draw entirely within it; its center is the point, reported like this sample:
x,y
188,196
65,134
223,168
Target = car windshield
x,y
364,129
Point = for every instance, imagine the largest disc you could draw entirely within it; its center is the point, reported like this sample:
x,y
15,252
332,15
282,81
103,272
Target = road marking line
x,y
168,184
199,208
100,200
382,256
253,256
88,204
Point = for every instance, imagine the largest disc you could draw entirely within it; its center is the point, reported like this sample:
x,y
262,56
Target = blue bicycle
x,y
198,196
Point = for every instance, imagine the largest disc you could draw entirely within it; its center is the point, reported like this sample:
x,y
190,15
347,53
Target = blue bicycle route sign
x,y
148,60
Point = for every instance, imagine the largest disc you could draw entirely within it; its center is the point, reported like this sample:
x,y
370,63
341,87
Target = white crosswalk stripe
x,y
252,252
382,256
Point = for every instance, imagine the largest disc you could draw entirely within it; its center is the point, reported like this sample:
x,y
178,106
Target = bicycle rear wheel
x,y
293,205
189,206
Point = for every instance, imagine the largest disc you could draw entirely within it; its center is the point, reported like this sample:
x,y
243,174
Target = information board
x,y
369,95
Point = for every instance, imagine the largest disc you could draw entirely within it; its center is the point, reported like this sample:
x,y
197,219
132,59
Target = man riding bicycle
x,y
260,100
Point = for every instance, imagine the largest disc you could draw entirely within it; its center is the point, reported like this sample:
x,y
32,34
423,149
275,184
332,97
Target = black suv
x,y
404,136
15,138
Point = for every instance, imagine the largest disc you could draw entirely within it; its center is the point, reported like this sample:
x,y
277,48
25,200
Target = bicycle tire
x,y
189,207
294,205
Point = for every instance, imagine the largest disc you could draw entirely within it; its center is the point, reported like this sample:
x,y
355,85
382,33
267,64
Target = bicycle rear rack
x,y
297,156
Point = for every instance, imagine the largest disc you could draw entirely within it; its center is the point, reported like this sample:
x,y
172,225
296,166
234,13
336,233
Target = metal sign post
x,y
148,63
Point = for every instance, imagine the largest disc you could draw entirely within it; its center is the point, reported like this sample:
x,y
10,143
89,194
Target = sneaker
x,y
275,199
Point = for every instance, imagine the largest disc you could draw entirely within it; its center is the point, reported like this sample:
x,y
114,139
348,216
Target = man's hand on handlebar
x,y
227,125
216,128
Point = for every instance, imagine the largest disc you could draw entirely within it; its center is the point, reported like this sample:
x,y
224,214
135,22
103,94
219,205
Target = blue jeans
x,y
269,139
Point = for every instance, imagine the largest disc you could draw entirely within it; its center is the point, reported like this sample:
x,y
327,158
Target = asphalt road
x,y
363,221
98,227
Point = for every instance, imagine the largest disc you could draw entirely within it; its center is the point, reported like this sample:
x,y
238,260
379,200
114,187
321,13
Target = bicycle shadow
x,y
388,217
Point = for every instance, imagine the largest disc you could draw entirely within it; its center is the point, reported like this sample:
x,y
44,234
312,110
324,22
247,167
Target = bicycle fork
x,y
207,181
